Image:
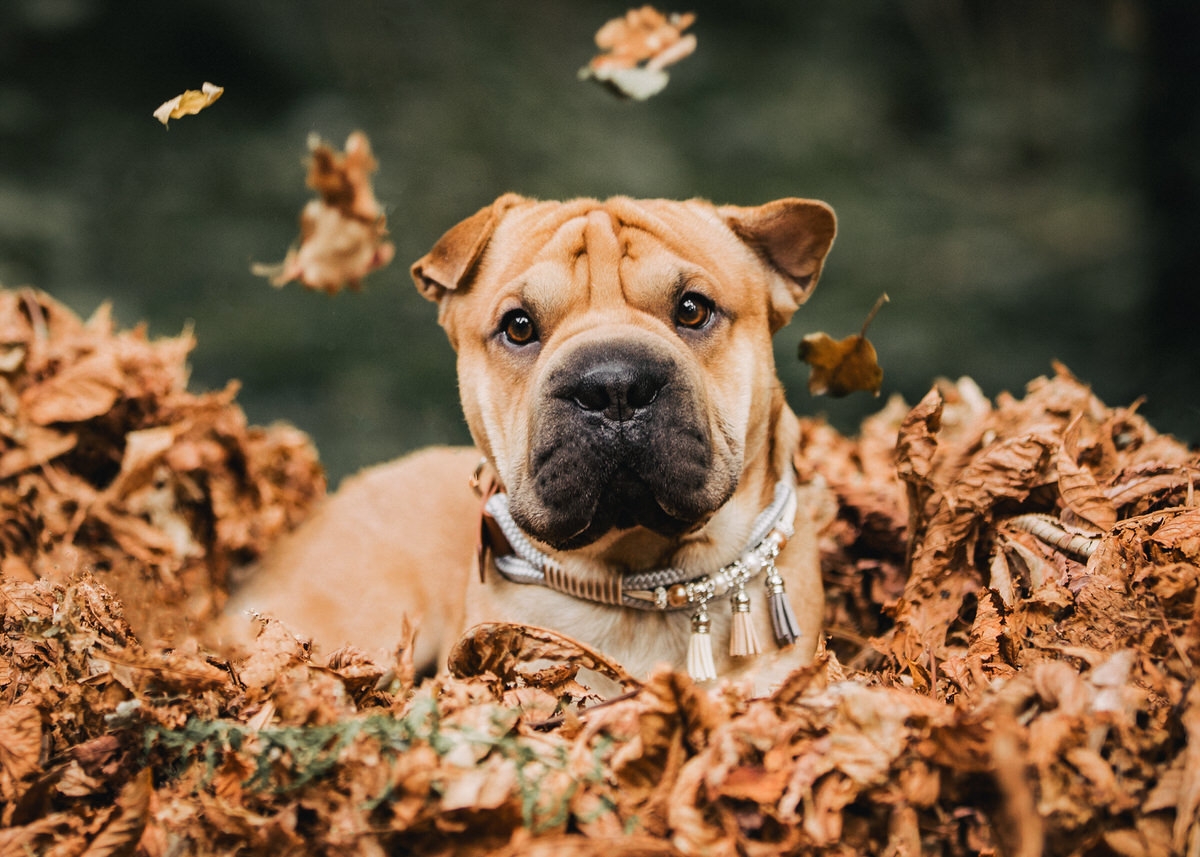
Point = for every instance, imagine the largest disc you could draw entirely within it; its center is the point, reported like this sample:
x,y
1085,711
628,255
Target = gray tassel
x,y
783,620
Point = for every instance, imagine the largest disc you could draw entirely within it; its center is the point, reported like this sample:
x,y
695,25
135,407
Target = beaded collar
x,y
673,589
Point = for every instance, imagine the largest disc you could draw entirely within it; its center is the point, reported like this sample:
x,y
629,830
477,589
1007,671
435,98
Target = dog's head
x,y
615,358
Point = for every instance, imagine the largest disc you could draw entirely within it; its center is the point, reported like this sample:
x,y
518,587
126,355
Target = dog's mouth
x,y
623,502
584,486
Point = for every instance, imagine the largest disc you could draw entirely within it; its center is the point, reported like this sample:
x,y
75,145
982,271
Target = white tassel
x,y
743,642
700,664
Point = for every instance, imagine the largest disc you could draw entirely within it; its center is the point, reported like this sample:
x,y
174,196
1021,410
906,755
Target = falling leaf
x,y
342,234
637,48
841,367
189,103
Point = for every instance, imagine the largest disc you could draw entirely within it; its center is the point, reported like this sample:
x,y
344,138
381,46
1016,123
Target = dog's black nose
x,y
616,388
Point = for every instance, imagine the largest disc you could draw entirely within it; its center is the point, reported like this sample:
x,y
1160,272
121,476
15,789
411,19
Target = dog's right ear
x,y
453,258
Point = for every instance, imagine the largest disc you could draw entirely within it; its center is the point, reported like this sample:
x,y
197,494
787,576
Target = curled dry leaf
x,y
505,650
843,366
636,50
343,232
189,103
1077,486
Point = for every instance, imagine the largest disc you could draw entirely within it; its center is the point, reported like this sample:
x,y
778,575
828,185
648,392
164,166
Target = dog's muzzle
x,y
620,439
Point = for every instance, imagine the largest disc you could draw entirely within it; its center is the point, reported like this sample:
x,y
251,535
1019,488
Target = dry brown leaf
x,y
636,50
343,233
1187,817
120,836
504,649
20,746
1077,486
38,446
189,103
85,389
275,649
843,366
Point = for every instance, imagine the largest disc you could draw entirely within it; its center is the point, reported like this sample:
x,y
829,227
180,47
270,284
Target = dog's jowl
x,y
616,372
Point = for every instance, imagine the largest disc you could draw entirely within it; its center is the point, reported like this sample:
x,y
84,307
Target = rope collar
x,y
673,589
665,589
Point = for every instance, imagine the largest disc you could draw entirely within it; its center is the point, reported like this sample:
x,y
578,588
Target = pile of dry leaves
x,y
108,463
1012,607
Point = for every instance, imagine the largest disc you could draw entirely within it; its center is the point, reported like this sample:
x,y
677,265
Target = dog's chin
x,y
623,505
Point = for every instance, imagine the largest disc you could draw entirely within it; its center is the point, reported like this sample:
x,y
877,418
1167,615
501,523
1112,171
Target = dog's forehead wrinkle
x,y
603,249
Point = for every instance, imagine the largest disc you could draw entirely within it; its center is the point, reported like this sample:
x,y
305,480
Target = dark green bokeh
x,y
1019,177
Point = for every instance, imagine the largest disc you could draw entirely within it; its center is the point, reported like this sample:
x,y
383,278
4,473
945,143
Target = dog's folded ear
x,y
453,258
793,237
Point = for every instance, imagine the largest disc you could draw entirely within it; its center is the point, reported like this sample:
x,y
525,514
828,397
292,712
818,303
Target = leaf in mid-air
x,y
843,366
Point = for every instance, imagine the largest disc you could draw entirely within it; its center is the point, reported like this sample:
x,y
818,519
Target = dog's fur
x,y
633,415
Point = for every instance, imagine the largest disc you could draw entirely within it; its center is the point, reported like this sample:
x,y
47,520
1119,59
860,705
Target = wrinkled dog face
x,y
614,358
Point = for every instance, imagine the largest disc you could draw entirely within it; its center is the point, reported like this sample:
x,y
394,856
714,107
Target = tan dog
x,y
616,371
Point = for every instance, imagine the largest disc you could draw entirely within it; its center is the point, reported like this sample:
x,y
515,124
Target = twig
x,y
883,298
559,719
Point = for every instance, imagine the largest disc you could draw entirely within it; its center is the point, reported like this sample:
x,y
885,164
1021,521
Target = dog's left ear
x,y
792,236
453,258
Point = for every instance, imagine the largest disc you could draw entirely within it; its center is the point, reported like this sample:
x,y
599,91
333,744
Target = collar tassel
x,y
700,664
743,641
783,619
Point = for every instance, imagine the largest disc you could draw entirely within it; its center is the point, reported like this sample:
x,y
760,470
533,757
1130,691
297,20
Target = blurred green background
x,y
1020,177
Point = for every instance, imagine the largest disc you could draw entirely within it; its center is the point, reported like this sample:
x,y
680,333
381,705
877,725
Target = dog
x,y
617,376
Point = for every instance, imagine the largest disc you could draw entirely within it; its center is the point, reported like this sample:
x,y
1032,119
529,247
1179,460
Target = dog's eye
x,y
518,327
693,311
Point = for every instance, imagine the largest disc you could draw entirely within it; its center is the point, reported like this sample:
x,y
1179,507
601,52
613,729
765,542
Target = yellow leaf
x,y
843,366
189,103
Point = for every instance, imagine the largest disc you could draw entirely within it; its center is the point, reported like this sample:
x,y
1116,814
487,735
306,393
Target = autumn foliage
x,y
1013,632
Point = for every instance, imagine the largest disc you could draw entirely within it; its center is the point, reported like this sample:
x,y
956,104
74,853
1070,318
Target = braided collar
x,y
666,589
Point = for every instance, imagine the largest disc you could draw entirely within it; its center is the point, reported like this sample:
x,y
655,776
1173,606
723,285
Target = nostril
x,y
591,395
642,392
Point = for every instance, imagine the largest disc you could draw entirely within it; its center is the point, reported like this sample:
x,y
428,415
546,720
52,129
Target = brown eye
x,y
694,311
518,327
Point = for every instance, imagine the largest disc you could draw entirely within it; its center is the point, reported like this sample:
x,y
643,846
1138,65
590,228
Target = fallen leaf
x,y
20,747
843,366
505,650
637,48
189,103
82,390
120,836
342,234
1077,486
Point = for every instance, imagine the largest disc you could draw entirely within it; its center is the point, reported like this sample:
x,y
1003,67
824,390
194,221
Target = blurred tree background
x,y
1020,177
